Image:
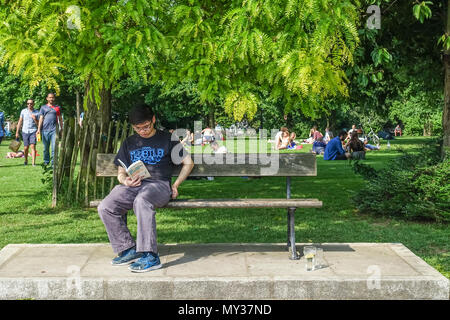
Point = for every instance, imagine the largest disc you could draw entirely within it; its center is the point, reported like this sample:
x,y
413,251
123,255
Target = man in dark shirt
x,y
334,150
50,116
159,151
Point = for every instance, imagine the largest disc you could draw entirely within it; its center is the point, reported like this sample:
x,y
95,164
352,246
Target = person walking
x,y
28,121
49,121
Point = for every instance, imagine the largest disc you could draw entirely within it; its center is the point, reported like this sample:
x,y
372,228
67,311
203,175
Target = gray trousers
x,y
143,200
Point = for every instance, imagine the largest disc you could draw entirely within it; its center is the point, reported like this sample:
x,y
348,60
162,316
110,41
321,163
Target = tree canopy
x,y
294,50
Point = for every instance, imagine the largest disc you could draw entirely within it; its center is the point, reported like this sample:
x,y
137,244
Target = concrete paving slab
x,y
219,271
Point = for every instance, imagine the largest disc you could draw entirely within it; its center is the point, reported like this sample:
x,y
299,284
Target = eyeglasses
x,y
30,102
143,128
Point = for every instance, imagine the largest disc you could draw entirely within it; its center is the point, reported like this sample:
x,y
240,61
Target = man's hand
x,y
129,182
174,191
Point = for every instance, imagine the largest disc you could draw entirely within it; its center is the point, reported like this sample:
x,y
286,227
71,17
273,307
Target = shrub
x,y
411,186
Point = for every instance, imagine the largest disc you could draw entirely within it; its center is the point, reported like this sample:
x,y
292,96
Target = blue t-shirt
x,y
50,117
155,152
2,120
333,149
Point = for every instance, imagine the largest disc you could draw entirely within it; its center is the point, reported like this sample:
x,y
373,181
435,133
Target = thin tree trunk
x,y
446,111
78,104
98,114
211,118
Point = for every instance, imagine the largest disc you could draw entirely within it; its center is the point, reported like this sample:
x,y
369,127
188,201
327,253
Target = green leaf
x,y
374,78
416,11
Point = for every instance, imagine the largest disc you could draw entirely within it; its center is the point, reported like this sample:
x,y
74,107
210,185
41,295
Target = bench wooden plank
x,y
233,165
237,203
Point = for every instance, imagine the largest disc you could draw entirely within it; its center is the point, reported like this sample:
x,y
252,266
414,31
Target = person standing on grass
x,y
334,150
50,120
159,151
28,121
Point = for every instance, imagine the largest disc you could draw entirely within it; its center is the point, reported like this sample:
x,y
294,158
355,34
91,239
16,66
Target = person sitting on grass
x,y
18,154
398,130
356,147
288,141
292,144
208,135
218,149
334,150
328,135
369,147
319,146
188,140
279,137
284,140
317,134
310,139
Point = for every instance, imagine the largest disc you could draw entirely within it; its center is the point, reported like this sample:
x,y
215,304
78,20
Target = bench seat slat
x,y
238,203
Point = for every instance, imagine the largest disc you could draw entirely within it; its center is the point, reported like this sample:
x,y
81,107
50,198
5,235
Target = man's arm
x,y
186,169
33,116
41,119
19,125
124,179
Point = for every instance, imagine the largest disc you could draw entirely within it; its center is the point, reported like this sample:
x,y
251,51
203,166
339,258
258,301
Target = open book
x,y
136,169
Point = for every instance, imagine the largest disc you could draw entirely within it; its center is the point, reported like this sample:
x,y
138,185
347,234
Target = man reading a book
x,y
159,152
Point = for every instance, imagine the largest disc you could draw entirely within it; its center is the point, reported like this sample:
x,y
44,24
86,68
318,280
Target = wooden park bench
x,y
237,165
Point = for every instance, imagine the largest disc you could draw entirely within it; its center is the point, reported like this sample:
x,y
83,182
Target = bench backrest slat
x,y
229,165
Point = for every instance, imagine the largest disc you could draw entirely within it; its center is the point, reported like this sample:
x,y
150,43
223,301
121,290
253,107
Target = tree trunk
x,y
100,115
78,104
427,128
446,111
211,117
331,122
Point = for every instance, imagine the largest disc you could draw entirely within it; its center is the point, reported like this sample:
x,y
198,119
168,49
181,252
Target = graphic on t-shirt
x,y
148,155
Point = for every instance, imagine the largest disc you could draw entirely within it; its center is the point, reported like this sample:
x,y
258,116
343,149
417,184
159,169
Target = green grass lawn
x,y
27,217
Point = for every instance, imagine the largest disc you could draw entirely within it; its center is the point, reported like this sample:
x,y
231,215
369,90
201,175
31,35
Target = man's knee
x,y
141,199
102,208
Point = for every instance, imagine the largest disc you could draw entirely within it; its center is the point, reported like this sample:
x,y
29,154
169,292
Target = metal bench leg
x,y
291,230
288,246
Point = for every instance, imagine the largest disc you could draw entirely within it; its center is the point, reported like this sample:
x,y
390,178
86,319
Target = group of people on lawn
x,y
201,138
347,145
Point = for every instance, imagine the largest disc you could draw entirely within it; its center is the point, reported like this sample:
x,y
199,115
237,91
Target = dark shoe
x,y
126,257
149,261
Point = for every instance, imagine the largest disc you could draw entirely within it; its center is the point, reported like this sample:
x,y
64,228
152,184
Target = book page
x,y
138,169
